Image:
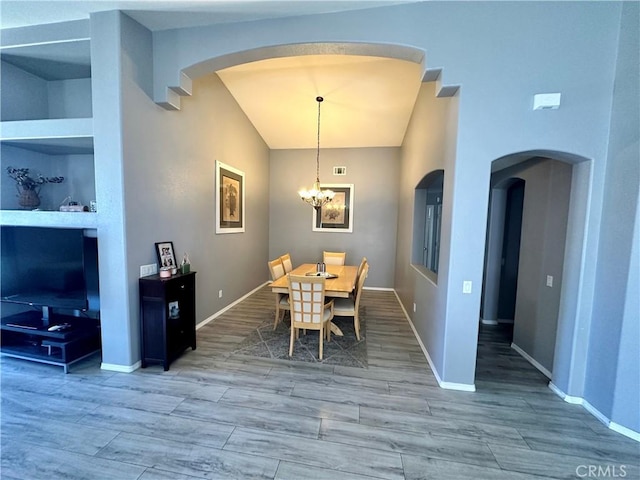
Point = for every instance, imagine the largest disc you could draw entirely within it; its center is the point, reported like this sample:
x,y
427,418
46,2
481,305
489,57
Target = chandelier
x,y
317,197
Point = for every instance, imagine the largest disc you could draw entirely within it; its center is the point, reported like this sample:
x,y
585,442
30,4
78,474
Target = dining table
x,y
339,283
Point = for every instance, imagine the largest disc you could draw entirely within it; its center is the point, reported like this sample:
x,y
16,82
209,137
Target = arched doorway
x,y
524,261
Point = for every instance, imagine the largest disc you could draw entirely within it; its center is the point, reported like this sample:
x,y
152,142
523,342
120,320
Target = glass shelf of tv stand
x,y
54,219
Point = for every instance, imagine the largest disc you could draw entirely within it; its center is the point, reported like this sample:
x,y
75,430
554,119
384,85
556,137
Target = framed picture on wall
x,y
337,215
166,255
229,199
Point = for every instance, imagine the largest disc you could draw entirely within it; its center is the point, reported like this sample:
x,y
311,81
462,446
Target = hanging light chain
x,y
319,100
316,197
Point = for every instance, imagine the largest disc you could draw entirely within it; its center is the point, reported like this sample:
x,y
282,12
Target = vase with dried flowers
x,y
28,186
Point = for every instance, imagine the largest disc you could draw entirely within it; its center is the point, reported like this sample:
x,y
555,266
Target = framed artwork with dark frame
x,y
166,255
229,199
337,215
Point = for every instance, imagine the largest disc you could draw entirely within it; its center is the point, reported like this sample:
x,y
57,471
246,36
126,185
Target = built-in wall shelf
x,y
46,128
52,51
37,218
62,136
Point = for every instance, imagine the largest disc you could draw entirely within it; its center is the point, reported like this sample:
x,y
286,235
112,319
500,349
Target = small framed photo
x,y
229,199
166,255
174,310
337,215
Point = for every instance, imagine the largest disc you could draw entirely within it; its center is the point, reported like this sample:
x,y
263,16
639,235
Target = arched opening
x,y
174,85
427,223
523,289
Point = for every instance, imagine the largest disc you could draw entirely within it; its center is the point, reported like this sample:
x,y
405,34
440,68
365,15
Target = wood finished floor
x,y
221,416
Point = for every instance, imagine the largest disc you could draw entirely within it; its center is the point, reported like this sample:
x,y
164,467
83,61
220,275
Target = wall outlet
x,y
549,281
146,270
466,286
219,293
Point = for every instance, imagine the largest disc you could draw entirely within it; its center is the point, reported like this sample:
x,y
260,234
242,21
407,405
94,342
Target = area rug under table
x,y
346,350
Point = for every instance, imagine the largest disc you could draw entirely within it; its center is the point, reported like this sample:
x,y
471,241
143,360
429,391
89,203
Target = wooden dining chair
x,y
286,262
282,299
334,258
308,308
348,307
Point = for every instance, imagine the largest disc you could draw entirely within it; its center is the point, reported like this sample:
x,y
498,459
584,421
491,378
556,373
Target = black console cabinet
x,y
167,317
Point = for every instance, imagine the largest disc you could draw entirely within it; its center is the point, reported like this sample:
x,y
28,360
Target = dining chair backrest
x,y
363,262
306,298
286,262
334,258
276,268
360,284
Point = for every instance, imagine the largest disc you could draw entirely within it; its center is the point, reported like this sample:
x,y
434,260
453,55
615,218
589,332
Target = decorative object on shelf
x,y
336,216
229,199
185,265
29,187
166,257
72,206
316,197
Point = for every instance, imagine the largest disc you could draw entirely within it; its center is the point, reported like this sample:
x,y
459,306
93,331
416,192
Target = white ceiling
x,y
367,100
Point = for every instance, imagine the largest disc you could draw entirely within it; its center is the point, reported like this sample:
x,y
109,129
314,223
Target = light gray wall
x,y
120,337
165,161
183,147
428,146
375,175
626,395
24,96
613,370
69,98
544,229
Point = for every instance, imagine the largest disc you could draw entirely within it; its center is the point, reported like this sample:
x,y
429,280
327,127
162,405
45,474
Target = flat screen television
x,y
50,268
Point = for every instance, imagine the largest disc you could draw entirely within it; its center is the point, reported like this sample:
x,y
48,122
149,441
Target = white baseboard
x,y
381,289
114,367
627,432
228,307
488,322
595,412
462,387
446,385
532,361
564,396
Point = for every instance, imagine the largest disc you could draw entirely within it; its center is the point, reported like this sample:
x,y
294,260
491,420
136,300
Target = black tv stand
x,y
26,335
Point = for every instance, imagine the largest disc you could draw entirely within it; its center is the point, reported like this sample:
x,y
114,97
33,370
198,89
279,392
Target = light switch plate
x,y
150,269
